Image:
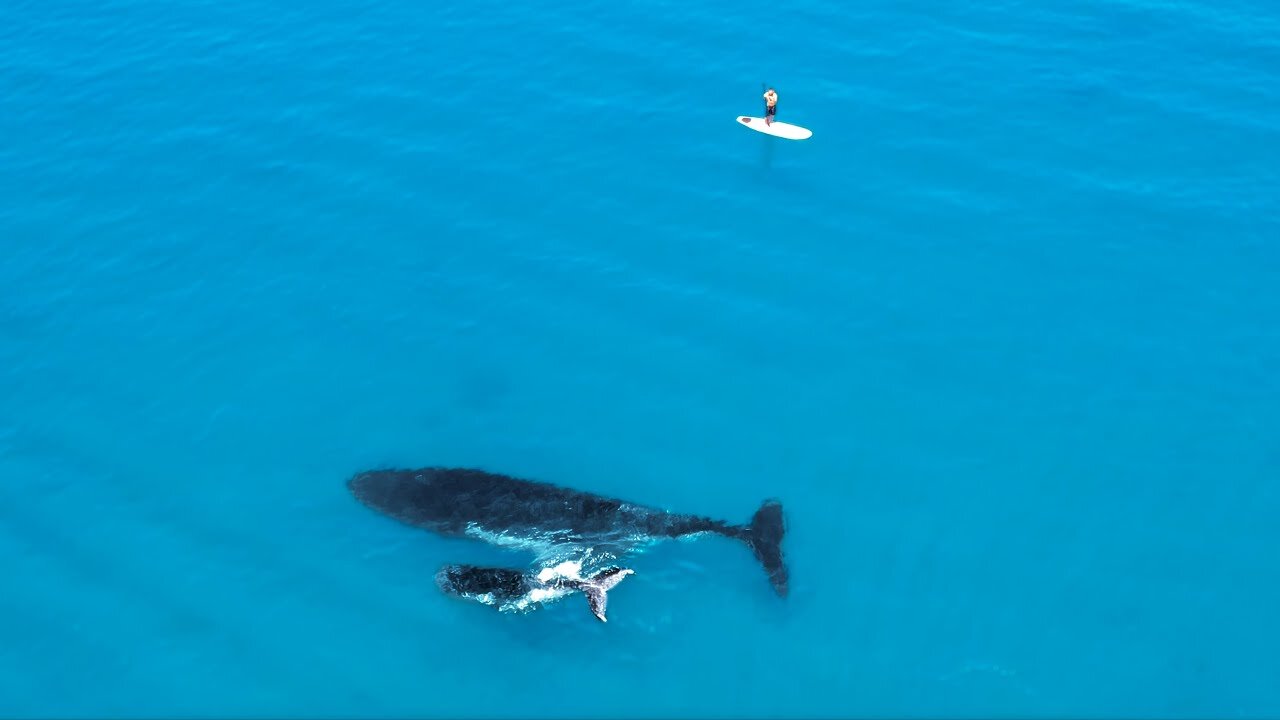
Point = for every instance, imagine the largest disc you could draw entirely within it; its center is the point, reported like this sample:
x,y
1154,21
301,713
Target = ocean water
x,y
1002,336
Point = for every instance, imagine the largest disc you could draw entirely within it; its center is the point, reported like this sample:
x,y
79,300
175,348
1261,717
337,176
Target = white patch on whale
x,y
569,570
541,595
542,543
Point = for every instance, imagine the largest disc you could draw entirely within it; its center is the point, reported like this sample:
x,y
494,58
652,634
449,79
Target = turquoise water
x,y
1002,336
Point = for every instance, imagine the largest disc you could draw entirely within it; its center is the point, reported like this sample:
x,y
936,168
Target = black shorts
x,y
770,110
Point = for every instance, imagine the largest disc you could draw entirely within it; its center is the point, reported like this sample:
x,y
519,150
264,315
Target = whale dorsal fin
x,y
597,590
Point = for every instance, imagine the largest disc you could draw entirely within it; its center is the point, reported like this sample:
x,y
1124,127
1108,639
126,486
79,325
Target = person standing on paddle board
x,y
770,106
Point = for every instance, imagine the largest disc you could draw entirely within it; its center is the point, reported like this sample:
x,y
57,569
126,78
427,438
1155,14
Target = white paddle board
x,y
775,128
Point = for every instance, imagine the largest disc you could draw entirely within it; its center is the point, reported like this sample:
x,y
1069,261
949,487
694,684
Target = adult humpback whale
x,y
503,510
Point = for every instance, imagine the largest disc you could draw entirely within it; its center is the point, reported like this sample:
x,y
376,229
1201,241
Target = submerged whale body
x,y
465,502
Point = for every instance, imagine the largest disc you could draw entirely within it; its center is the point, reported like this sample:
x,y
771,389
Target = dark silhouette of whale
x,y
503,510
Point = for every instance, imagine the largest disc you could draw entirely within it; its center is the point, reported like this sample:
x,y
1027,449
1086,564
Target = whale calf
x,y
513,590
547,519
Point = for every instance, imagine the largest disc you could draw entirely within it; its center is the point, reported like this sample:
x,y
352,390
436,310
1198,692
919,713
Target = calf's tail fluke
x,y
764,536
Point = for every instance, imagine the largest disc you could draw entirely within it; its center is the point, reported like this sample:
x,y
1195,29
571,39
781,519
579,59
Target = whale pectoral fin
x,y
597,590
598,600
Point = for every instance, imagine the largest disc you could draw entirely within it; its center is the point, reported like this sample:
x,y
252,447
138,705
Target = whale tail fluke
x,y
764,536
597,589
